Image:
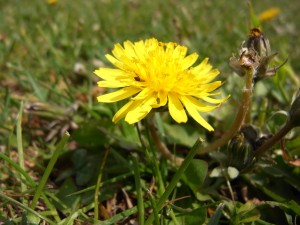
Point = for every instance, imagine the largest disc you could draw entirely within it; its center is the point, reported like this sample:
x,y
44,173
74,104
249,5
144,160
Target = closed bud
x,y
259,42
240,153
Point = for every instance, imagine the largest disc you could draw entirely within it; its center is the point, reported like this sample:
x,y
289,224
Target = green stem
x,y
49,168
98,185
163,199
239,120
273,140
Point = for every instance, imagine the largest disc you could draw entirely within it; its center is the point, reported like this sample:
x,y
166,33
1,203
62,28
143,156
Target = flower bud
x,y
240,150
259,42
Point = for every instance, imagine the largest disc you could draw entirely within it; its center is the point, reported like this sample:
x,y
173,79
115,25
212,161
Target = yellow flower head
x,y
52,2
156,74
269,14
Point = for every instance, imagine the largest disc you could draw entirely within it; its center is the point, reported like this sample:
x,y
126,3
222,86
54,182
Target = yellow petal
x,y
214,101
140,50
198,68
118,51
189,61
162,99
115,61
179,52
192,110
118,95
129,49
111,84
124,110
176,109
205,78
141,111
198,105
110,74
145,93
137,115
209,87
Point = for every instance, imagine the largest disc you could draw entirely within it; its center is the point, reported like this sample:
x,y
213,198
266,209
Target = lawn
x,y
64,161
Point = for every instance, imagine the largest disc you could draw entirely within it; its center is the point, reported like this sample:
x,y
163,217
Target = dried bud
x,y
256,56
246,61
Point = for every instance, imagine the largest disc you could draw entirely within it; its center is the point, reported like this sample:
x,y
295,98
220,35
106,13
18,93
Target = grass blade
x,y
140,200
175,179
20,144
98,185
49,168
26,208
216,217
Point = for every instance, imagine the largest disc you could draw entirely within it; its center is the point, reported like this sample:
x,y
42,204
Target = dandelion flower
x,y
154,74
269,14
52,2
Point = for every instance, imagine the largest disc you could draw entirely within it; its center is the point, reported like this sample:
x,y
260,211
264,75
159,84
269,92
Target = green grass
x,y
113,174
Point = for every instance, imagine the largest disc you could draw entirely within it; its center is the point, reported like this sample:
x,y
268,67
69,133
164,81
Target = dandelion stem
x,y
239,120
273,140
161,146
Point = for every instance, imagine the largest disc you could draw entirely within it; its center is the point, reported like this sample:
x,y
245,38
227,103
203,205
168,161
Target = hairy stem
x,y
273,140
161,146
241,115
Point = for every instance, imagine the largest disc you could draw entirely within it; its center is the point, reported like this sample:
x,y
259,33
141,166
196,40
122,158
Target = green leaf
x,y
248,213
195,174
248,206
195,217
89,135
181,135
31,219
250,216
69,201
